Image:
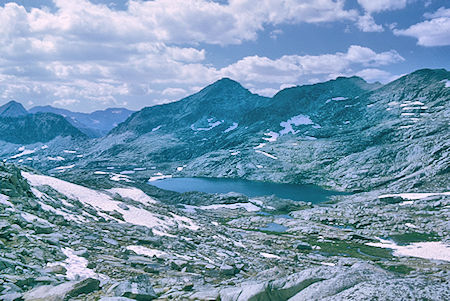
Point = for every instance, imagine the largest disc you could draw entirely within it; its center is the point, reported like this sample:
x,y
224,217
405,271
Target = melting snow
x,y
62,168
134,194
69,151
4,200
159,176
266,154
211,125
140,250
24,152
296,120
231,128
59,158
75,265
156,128
272,136
249,207
336,98
118,177
44,146
429,250
261,145
103,202
271,256
412,196
100,172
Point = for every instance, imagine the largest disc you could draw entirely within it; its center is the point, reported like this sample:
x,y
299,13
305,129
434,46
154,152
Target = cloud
x,y
174,92
432,32
374,6
377,75
102,56
269,92
290,68
65,102
366,23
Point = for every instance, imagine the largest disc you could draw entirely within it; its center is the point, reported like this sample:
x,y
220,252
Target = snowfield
x,y
434,250
105,204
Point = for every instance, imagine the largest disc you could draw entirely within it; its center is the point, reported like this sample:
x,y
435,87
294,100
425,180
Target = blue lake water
x,y
274,227
306,193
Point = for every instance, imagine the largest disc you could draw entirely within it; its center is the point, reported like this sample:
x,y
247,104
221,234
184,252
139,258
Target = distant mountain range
x,y
94,125
344,133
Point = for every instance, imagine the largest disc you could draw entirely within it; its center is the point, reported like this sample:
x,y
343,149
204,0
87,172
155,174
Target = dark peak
x,y
12,109
224,84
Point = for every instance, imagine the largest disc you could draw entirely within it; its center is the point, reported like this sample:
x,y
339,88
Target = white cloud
x,y
366,23
99,56
374,75
65,102
433,32
373,6
174,92
269,92
290,68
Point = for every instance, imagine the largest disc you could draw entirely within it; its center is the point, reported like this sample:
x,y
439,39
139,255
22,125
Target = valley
x,y
324,192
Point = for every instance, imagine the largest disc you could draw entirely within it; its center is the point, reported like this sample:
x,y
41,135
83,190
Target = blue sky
x,y
87,55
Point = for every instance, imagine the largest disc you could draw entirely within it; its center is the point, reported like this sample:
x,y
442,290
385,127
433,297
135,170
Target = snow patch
x,y
156,128
435,250
266,154
249,207
134,194
118,177
159,176
76,266
272,136
69,151
59,158
63,168
231,128
24,152
140,250
4,201
270,256
296,120
211,125
413,195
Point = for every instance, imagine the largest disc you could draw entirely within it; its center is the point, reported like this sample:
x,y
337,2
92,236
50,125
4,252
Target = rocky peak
x,y
12,109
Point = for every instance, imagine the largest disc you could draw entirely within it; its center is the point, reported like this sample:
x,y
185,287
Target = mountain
x,y
95,124
92,228
12,109
307,134
32,128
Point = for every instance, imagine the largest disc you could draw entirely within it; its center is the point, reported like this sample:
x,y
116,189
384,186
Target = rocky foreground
x,y
62,241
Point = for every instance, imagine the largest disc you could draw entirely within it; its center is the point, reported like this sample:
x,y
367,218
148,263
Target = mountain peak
x,y
225,84
12,109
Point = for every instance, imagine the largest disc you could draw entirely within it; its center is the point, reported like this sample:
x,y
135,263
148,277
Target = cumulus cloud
x,y
78,51
376,75
432,32
290,68
366,23
374,6
65,102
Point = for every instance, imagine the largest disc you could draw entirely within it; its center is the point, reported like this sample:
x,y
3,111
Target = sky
x,y
87,55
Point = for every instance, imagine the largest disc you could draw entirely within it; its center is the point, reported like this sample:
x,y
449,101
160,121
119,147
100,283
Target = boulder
x,y
62,292
137,288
